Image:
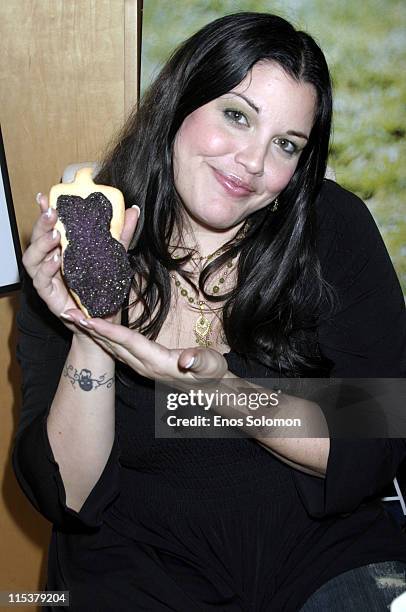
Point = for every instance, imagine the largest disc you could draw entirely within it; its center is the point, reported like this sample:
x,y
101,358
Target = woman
x,y
225,160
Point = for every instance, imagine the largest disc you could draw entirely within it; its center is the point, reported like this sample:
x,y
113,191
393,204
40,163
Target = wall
x,y
68,72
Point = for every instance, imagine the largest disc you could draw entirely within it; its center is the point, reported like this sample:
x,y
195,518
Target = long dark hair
x,y
274,306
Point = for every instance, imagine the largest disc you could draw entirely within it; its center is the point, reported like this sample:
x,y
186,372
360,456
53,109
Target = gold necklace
x,y
240,234
203,327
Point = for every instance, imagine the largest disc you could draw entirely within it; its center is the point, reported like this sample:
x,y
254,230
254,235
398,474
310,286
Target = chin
x,y
220,224
220,218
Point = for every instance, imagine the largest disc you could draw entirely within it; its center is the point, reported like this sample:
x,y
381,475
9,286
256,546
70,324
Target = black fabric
x,y
212,524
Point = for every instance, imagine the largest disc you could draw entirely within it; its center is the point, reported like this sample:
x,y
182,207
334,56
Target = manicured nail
x,y
86,323
66,316
190,363
137,207
38,197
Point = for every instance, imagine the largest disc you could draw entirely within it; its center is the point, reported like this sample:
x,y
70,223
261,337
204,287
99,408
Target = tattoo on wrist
x,y
85,380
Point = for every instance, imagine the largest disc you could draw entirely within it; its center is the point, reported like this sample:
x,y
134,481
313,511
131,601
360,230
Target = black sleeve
x,y
364,337
42,349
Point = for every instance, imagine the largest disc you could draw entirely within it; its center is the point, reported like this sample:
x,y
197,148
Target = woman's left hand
x,y
149,358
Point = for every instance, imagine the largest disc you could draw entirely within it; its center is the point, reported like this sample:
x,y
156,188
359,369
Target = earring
x,y
275,205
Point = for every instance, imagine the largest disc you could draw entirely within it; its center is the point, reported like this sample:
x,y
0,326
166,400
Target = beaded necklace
x,y
203,327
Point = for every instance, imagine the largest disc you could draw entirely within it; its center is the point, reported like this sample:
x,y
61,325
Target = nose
x,y
252,158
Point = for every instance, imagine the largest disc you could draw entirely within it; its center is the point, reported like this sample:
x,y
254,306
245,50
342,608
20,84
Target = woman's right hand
x,y
42,260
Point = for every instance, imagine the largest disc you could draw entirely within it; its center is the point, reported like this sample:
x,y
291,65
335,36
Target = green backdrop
x,y
365,46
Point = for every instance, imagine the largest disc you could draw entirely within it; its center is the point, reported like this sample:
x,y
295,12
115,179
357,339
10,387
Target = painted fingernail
x,y
38,197
190,363
66,316
137,207
86,323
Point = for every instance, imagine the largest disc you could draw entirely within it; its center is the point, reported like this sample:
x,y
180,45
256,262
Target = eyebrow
x,y
248,101
298,134
257,110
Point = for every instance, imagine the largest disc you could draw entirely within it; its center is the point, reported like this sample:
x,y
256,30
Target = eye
x,y
286,145
236,116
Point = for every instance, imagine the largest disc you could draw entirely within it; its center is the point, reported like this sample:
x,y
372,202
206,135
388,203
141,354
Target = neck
x,y
206,240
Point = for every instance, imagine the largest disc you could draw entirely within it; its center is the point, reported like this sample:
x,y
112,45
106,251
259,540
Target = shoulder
x,y
337,207
344,226
365,333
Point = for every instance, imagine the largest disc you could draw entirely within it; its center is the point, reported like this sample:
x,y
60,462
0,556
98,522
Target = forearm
x,y
81,420
310,451
310,454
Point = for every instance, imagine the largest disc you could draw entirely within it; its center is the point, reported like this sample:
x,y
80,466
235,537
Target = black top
x,y
204,524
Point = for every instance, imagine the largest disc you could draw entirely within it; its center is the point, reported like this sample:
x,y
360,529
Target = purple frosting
x,y
95,265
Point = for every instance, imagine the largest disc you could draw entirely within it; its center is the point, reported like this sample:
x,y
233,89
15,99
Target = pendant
x,y
202,330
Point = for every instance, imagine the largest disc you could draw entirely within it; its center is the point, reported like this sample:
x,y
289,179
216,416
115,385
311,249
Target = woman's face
x,y
235,154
